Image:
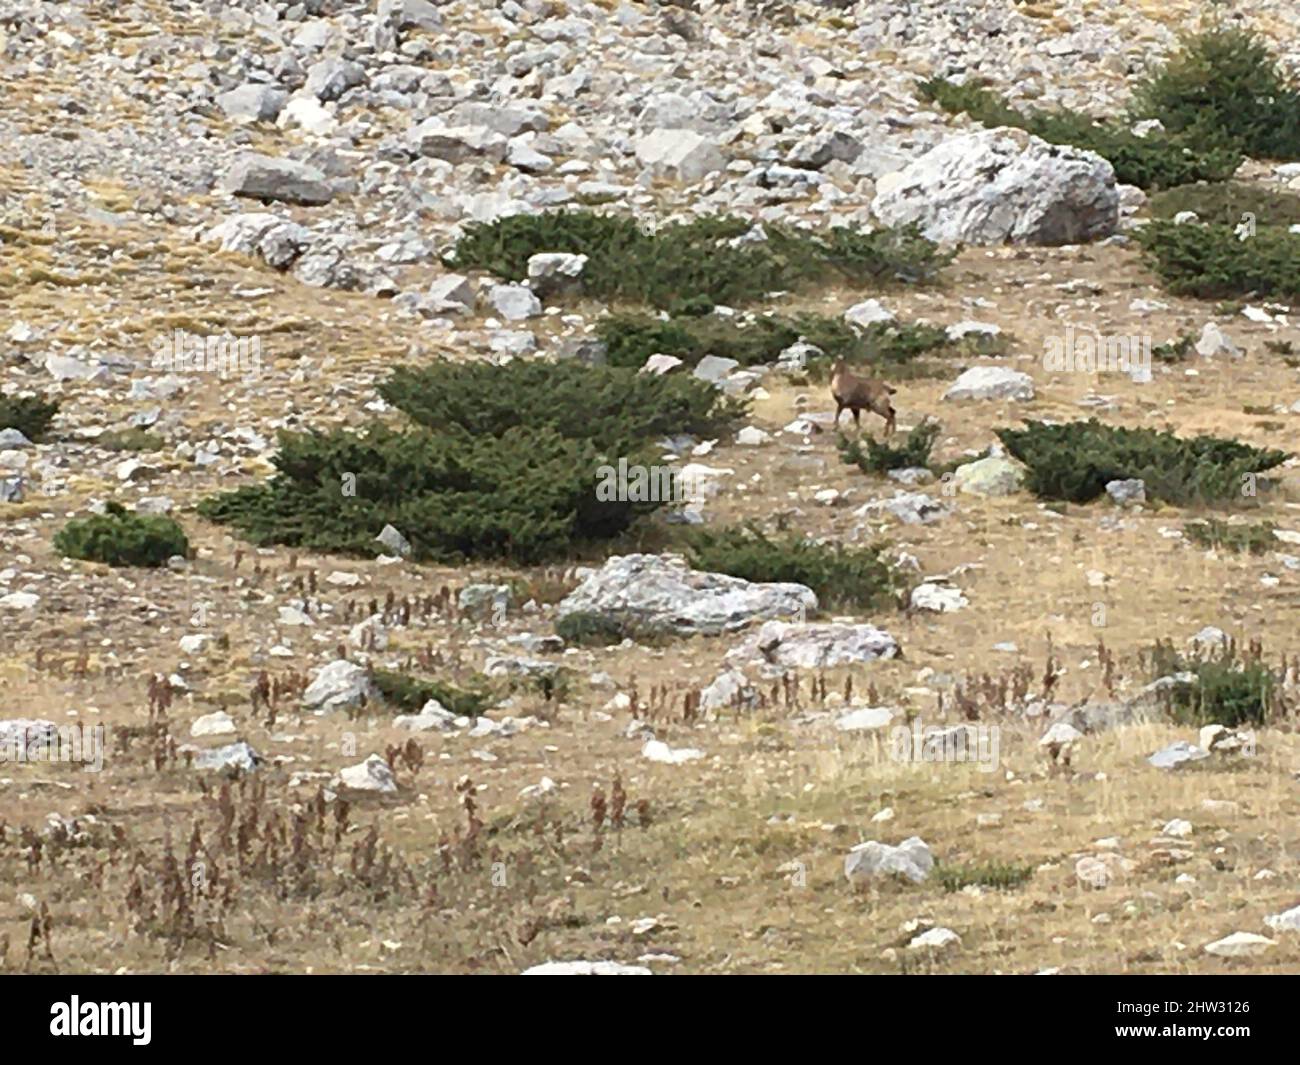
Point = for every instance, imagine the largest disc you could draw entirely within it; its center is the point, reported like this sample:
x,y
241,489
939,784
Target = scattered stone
x,y
991,382
1240,945
911,860
372,775
662,593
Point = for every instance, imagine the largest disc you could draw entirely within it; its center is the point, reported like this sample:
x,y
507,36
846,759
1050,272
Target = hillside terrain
x,y
487,725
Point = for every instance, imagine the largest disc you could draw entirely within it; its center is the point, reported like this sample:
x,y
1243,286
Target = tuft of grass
x,y
1174,351
883,456
840,575
130,440
1073,462
587,629
719,259
30,415
121,538
1000,876
1214,534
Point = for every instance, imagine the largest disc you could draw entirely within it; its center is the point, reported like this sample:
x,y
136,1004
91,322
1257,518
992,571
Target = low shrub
x,y
1224,85
527,495
1213,262
1224,203
888,349
30,415
840,575
613,407
873,457
587,629
504,465
1228,688
409,693
121,538
704,261
1073,462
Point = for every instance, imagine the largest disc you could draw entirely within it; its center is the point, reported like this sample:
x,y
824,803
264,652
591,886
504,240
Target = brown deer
x,y
859,394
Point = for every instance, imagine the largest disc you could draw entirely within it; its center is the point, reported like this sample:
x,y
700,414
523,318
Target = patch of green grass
x,y
1212,533
1174,351
120,538
130,440
30,415
1150,162
1074,462
1000,876
587,629
409,693
882,457
1212,262
718,259
840,575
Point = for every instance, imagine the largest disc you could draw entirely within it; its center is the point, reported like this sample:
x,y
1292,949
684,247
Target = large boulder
x,y
1004,185
679,155
261,177
991,382
657,592
910,860
338,686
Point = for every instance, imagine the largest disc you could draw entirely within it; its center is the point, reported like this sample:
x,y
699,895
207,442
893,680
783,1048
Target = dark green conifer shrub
x,y
122,538
839,574
691,265
1073,462
30,415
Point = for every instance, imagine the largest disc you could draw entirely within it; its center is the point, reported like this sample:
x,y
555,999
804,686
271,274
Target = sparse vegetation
x,y
711,260
1214,534
1230,687
1212,261
121,538
1152,162
881,457
30,415
1075,461
840,575
995,875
